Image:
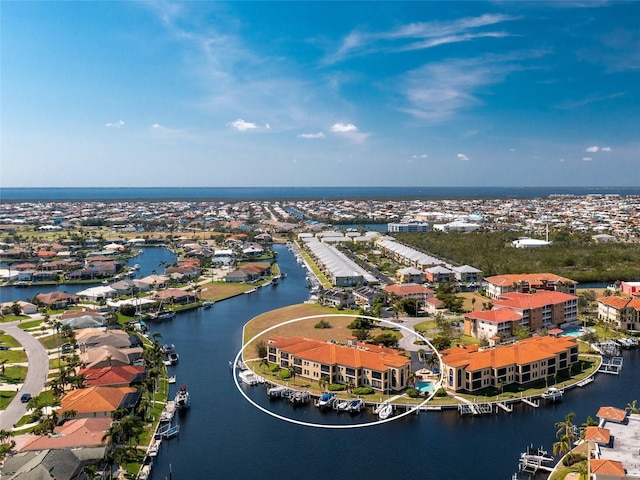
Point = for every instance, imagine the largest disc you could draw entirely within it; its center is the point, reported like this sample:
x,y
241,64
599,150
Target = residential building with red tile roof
x,y
542,309
623,312
76,433
614,445
498,285
358,364
114,376
612,414
604,469
410,290
471,368
95,402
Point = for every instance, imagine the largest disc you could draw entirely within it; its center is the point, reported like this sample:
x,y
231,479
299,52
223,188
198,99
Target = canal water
x,y
222,436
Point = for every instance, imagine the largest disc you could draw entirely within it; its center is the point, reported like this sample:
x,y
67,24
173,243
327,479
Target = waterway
x,y
223,436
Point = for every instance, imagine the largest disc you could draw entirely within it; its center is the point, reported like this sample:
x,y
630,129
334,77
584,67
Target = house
x,y
439,274
468,275
114,376
56,300
410,275
76,433
51,464
175,295
95,337
410,290
490,323
25,307
383,369
237,276
471,368
337,298
78,319
366,296
630,288
99,402
497,285
623,312
108,356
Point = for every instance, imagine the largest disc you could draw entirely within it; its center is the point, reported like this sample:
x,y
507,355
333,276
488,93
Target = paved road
x,y
36,375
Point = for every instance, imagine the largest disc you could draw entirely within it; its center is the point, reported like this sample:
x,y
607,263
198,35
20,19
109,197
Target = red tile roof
x,y
408,289
612,414
77,433
94,399
114,375
530,278
371,356
598,435
602,466
499,315
523,352
529,301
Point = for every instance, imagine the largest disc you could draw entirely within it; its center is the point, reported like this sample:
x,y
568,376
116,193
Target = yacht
x,y
183,400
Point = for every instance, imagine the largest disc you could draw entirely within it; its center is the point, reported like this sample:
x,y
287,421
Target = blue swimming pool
x,y
424,386
573,332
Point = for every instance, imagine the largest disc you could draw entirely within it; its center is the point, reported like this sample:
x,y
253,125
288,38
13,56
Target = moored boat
x,y
207,304
553,394
183,399
326,400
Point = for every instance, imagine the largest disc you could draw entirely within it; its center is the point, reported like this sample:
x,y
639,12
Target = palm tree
x,y
562,447
566,431
632,407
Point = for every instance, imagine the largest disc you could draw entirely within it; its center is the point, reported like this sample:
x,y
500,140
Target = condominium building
x,y
471,368
623,312
353,363
498,285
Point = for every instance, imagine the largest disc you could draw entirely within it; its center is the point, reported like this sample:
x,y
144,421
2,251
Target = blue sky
x,y
320,94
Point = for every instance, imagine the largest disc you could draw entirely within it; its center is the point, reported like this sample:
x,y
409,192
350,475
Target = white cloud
x,y
436,91
241,126
593,149
462,156
343,128
311,135
419,36
118,124
587,159
606,149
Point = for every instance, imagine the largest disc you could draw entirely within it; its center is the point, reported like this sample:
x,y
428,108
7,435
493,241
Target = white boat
x,y
183,399
355,405
553,394
207,304
152,451
171,379
248,377
385,411
144,472
342,405
326,400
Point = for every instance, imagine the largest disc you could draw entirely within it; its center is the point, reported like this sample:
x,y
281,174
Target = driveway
x,y
36,375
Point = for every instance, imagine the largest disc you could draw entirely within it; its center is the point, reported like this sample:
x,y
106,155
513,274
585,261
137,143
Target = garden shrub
x,y
336,387
284,374
273,367
413,393
441,392
363,391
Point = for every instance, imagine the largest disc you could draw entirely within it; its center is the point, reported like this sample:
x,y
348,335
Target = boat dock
x,y
475,408
611,365
504,407
584,382
533,459
530,402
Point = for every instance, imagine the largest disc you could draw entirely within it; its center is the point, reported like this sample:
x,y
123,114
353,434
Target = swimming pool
x,y
424,386
573,332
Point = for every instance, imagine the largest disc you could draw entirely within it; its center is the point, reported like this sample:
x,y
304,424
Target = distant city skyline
x,y
191,94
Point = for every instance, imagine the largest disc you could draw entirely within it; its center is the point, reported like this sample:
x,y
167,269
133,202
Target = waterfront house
x,y
336,297
99,402
354,363
76,433
108,356
56,300
622,312
114,376
50,464
95,337
498,285
78,319
237,276
471,368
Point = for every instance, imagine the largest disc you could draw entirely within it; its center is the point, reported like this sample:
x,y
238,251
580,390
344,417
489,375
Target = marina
x,y
611,365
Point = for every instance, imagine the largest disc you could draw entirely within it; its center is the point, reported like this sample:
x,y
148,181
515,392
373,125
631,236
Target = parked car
x,y
25,397
4,347
66,347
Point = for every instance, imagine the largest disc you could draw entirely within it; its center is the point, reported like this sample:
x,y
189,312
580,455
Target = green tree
x,y
566,431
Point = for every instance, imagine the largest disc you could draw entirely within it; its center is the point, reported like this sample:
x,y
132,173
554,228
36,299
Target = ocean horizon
x,y
290,193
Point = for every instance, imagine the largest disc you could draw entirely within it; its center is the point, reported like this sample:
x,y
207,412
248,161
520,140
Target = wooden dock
x,y
531,403
612,365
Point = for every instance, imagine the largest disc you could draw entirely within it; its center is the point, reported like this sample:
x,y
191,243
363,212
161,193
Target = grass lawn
x,y
220,290
5,398
13,356
9,341
424,326
31,324
52,341
13,375
338,330
13,318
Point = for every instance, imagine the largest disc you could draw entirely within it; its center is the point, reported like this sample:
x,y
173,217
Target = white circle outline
x,y
330,426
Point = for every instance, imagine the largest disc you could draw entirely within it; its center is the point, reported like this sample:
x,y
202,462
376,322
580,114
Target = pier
x,y
611,365
475,408
530,402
